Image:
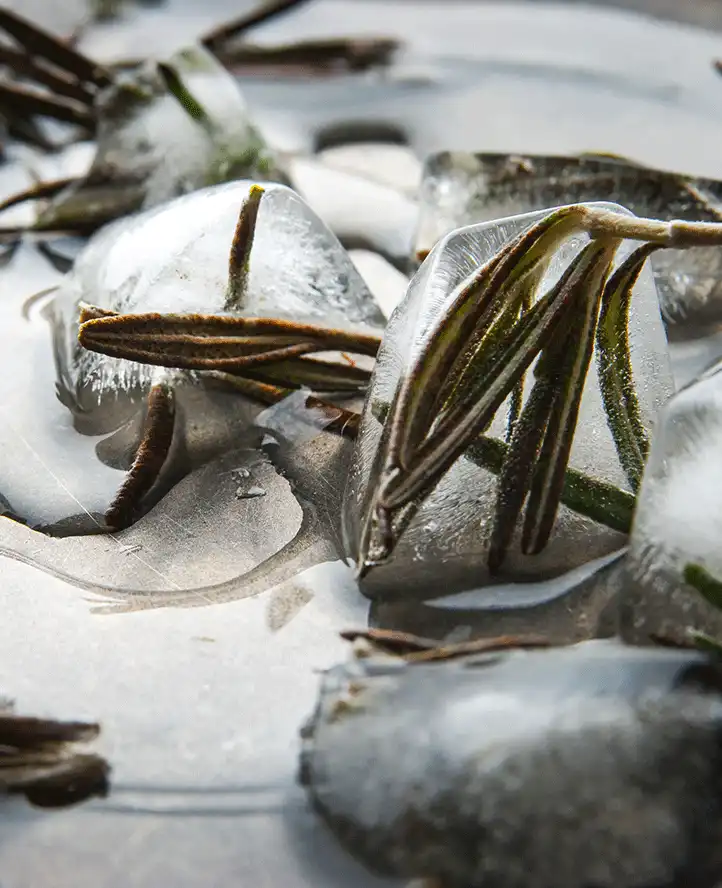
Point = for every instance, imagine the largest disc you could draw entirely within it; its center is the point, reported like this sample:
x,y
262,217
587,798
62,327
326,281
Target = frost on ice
x,y
678,519
582,765
174,258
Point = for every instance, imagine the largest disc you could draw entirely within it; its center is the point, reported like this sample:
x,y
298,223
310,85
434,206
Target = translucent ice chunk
x,y
678,520
498,766
174,258
460,189
153,146
445,547
294,420
578,605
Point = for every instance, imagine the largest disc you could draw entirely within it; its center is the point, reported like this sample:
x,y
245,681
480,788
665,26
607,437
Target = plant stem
x,y
602,502
709,587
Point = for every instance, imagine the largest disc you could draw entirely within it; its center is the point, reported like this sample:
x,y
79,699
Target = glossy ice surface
x,y
203,735
444,547
586,765
174,258
460,188
200,712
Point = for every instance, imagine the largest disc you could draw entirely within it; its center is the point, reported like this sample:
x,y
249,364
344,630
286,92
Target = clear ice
x,y
444,549
174,258
678,519
461,188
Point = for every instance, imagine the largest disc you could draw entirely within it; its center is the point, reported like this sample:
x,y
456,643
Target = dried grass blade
x,y
517,396
476,303
37,192
59,83
313,374
472,366
168,337
22,102
215,39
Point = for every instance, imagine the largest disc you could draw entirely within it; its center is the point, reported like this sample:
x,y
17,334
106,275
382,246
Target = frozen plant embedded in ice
x,y
163,130
175,259
425,509
460,188
237,279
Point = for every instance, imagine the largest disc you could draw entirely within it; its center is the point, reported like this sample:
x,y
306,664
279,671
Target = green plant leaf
x,y
702,580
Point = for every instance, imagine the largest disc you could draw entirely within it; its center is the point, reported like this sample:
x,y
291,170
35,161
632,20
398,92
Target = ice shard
x,y
445,547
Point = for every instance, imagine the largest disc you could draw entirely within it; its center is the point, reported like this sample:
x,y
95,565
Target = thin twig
x,y
45,46
58,82
241,25
38,192
23,101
